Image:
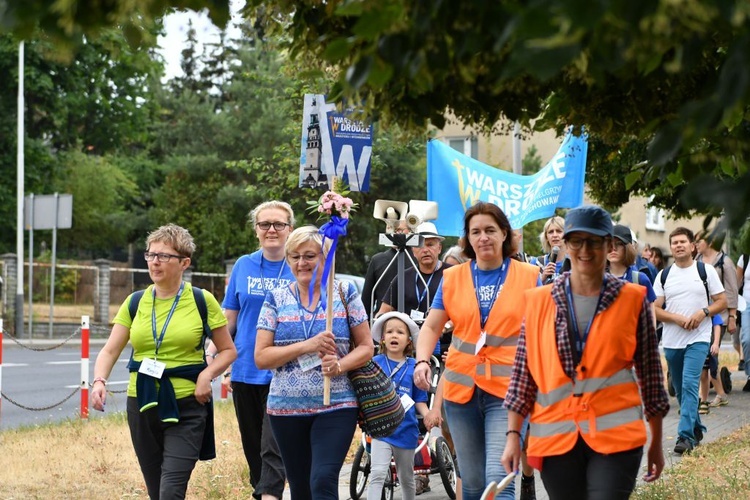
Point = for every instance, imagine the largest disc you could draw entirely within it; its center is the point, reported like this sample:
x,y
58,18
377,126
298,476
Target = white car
x,y
359,281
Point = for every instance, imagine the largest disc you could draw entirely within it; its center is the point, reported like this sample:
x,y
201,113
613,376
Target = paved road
x,y
32,380
37,379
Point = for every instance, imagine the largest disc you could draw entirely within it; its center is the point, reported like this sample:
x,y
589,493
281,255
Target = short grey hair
x,y
457,253
306,234
175,236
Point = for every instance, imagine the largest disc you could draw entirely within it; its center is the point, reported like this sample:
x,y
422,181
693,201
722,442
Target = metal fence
x,y
94,288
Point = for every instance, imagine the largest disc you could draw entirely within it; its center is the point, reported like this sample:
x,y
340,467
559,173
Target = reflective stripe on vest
x,y
603,405
583,386
491,341
601,423
490,368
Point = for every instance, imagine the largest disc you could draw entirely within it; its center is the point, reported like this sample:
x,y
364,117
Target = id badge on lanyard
x,y
484,317
152,367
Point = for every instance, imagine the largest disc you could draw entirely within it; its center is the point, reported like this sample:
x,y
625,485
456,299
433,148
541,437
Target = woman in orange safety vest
x,y
573,374
483,299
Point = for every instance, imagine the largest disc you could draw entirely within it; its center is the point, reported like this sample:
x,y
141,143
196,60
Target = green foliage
x,y
532,161
100,213
71,23
66,281
668,78
196,195
99,103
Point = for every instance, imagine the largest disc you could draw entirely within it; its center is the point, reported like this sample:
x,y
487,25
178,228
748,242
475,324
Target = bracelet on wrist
x,y
420,362
733,316
99,379
338,364
513,432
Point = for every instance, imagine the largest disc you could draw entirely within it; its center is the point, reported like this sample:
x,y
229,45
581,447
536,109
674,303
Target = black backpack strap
x,y
200,303
664,274
704,278
135,299
663,279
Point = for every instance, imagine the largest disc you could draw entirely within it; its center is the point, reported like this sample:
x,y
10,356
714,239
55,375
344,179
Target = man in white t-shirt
x,y
687,329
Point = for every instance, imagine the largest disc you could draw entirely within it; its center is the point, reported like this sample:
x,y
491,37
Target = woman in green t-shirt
x,y
169,394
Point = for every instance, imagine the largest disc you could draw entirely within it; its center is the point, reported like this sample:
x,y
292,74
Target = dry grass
x,y
67,313
95,459
720,469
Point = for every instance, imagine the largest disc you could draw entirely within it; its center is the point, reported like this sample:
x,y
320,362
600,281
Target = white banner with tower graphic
x,y
333,144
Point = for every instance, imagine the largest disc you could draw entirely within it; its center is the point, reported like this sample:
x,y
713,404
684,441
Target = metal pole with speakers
x,y
393,213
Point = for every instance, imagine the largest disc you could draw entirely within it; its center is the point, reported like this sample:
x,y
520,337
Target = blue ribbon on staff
x,y
332,230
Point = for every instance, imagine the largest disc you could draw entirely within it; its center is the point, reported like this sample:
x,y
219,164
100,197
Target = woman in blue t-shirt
x,y
253,275
397,334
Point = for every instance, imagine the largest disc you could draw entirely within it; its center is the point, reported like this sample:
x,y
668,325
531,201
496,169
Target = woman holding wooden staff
x,y
294,342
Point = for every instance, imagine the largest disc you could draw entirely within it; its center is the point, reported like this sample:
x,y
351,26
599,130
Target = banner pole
x,y
329,327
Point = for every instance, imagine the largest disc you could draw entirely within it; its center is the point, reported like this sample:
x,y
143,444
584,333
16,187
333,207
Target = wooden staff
x,y
329,328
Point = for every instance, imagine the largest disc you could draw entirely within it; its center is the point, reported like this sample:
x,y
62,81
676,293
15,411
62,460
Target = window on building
x,y
654,217
467,145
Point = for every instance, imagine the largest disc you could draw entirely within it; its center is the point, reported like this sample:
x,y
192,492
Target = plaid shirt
x,y
523,389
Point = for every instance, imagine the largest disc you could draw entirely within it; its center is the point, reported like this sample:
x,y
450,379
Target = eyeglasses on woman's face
x,y
161,257
576,243
266,225
307,257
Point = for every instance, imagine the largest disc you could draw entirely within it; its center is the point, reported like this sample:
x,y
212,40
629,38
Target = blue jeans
x,y
478,428
745,339
686,365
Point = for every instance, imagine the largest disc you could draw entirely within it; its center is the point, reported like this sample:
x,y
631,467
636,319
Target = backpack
x,y
701,272
719,266
635,277
200,303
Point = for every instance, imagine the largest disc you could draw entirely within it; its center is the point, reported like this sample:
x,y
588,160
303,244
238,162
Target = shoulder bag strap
x,y
346,308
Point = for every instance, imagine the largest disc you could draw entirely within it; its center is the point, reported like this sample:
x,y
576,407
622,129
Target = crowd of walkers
x,y
548,362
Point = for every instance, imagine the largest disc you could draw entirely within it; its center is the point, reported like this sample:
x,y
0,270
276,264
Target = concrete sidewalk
x,y
720,422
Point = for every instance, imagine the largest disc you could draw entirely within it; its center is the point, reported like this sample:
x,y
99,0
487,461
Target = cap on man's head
x,y
588,219
624,234
428,230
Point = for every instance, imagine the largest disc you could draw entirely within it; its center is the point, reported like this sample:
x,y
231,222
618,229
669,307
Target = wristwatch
x,y
706,311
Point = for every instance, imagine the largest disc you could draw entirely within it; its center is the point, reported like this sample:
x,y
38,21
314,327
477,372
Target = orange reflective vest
x,y
603,404
490,367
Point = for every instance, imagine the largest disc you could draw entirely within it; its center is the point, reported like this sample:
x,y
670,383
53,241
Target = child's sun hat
x,y
377,327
